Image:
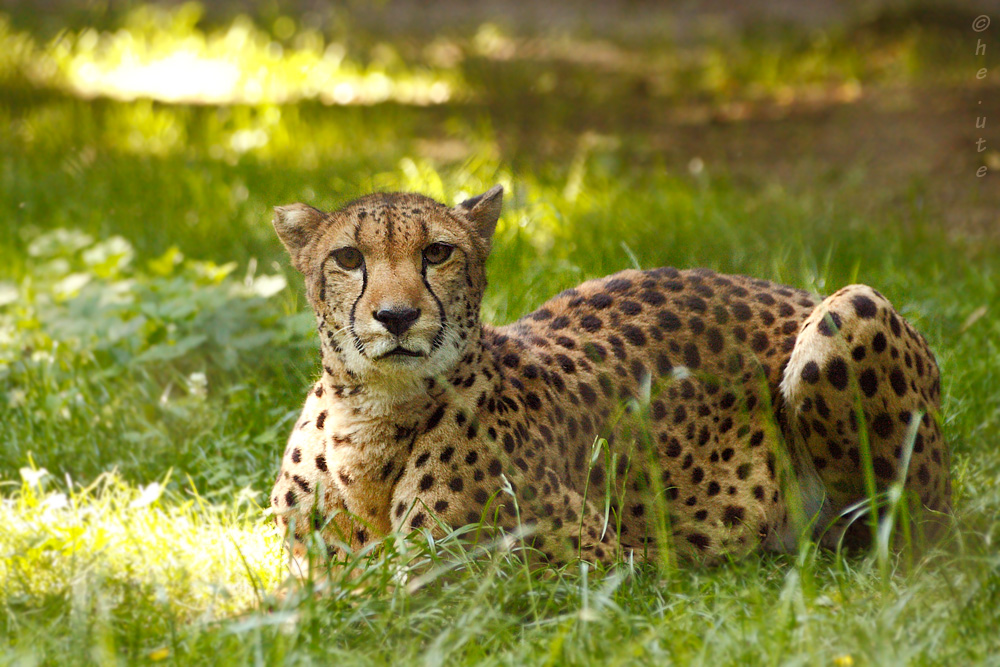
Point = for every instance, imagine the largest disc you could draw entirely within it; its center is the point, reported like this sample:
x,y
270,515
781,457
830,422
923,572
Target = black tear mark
x,y
364,285
439,336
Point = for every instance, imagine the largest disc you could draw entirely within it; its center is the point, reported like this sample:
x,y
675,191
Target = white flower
x,y
198,385
268,286
147,495
32,476
8,293
56,501
16,398
71,285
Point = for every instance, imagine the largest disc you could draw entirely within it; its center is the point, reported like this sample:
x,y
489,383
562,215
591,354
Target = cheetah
x,y
685,410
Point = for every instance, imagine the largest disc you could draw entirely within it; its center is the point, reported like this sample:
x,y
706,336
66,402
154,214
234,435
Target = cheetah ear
x,y
297,225
484,211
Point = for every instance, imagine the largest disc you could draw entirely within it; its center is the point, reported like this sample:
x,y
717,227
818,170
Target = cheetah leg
x,y
570,526
305,502
854,351
564,526
713,480
747,497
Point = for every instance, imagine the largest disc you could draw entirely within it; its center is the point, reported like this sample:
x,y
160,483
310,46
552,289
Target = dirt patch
x,y
905,147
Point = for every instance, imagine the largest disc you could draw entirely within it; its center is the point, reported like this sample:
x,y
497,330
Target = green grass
x,y
154,348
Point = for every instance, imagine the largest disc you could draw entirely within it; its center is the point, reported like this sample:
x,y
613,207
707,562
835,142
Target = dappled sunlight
x,y
161,54
182,76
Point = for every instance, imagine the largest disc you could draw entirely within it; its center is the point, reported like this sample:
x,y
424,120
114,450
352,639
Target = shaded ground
x,y
891,140
887,141
886,144
676,19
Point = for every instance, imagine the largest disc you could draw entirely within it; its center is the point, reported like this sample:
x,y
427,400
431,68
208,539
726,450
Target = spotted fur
x,y
713,413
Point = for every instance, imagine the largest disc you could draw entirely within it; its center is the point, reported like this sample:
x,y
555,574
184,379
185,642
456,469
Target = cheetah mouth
x,y
401,352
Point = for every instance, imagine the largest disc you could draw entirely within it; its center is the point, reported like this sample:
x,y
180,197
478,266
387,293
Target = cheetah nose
x,y
397,320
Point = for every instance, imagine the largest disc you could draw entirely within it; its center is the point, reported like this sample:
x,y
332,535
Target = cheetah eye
x,y
436,253
348,258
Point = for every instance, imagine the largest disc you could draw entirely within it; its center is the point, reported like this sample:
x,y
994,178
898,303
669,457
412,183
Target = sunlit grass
x,y
200,560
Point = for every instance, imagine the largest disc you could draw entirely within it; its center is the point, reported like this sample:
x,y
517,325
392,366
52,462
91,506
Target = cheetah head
x,y
395,280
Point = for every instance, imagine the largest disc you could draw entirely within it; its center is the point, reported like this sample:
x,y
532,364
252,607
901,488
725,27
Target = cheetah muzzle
x,y
733,411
